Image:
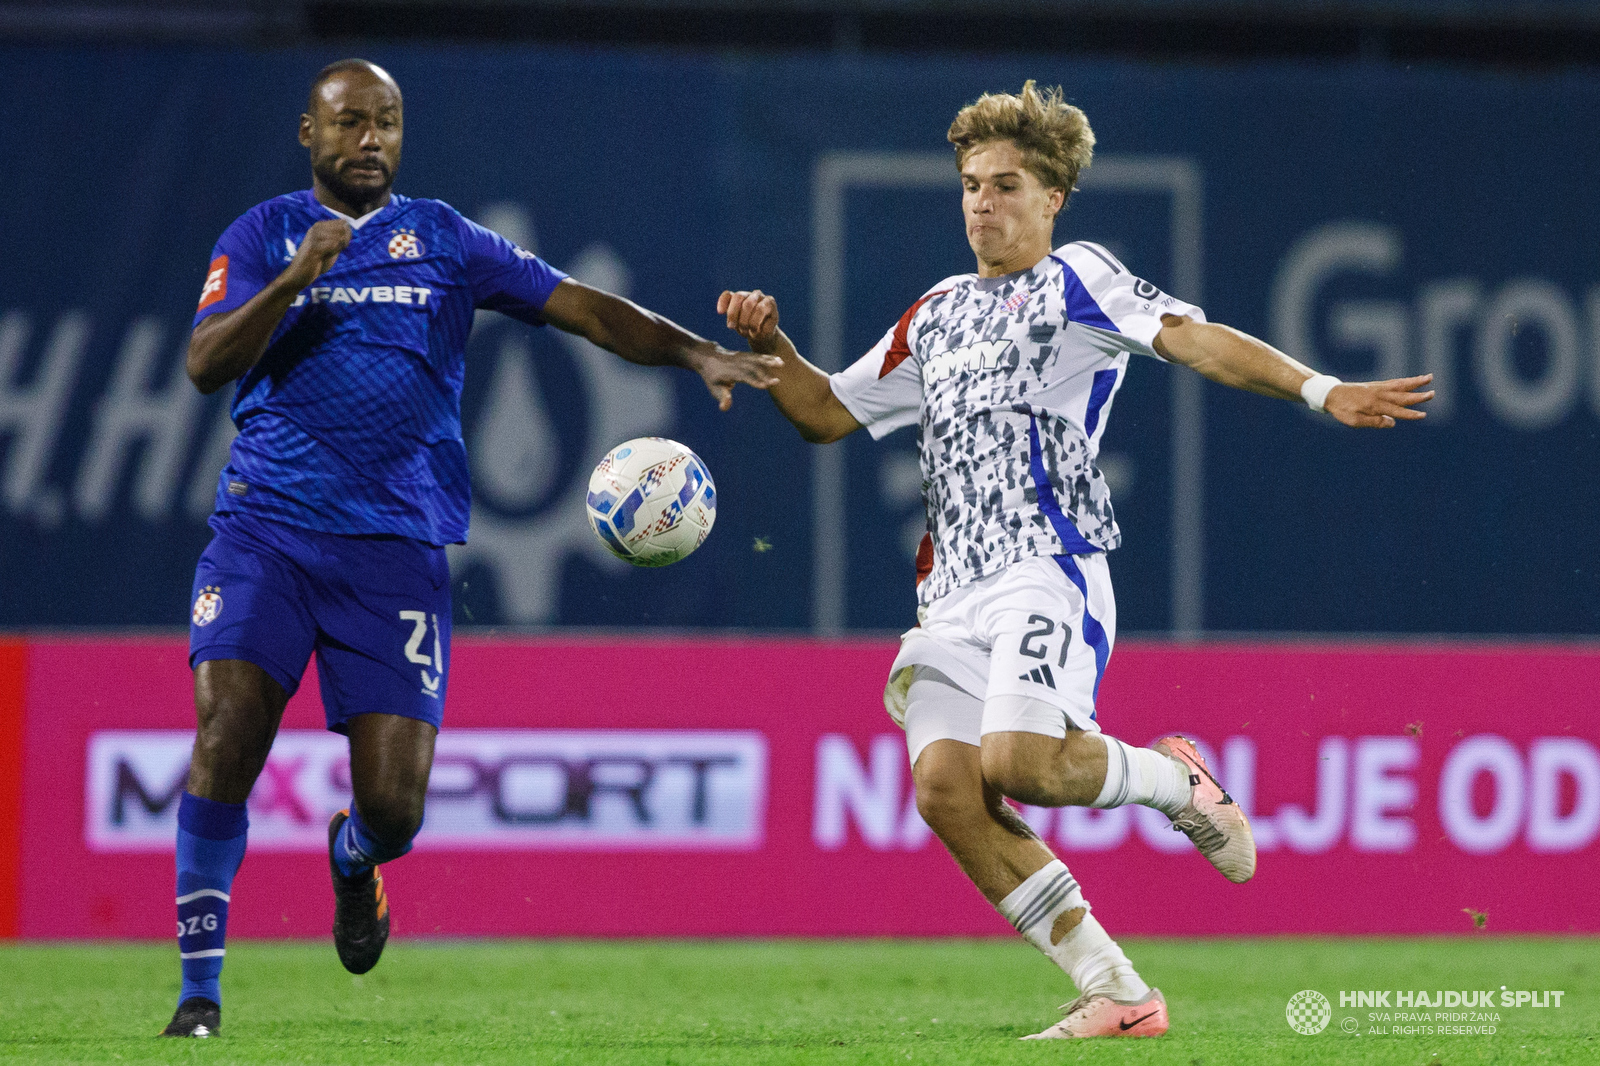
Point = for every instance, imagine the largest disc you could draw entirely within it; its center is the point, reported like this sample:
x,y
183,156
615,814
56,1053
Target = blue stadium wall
x,y
1368,219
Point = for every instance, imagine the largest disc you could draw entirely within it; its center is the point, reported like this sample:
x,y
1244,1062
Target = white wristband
x,y
1315,390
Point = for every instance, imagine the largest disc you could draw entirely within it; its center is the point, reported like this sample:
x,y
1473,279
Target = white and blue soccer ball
x,y
651,501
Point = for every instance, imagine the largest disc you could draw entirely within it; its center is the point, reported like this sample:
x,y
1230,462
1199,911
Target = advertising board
x,y
754,786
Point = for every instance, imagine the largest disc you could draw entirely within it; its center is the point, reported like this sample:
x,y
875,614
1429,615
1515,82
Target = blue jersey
x,y
351,421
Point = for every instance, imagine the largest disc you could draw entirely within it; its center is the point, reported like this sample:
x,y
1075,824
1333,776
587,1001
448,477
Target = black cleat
x,y
360,910
196,1016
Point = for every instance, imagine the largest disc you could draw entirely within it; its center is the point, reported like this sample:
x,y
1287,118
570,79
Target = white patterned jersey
x,y
1010,381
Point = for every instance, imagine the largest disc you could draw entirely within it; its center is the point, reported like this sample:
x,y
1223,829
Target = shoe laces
x,y
1200,829
1069,1009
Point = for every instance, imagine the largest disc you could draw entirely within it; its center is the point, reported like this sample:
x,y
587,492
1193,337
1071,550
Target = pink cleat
x,y
1212,820
1104,1016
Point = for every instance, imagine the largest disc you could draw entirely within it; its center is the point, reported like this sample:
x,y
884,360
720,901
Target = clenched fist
x,y
318,250
754,316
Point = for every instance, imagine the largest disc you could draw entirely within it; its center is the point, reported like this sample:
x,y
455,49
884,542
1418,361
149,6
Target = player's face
x,y
1010,214
354,136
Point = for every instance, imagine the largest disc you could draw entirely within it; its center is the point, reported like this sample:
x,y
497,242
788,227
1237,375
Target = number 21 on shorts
x,y
415,654
1036,640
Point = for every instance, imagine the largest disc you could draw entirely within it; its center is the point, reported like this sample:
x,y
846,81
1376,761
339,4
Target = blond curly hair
x,y
1053,136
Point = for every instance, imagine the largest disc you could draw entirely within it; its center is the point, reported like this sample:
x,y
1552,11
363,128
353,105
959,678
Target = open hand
x,y
1377,404
721,370
754,316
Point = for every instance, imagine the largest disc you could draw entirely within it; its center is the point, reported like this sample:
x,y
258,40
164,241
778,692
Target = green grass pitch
x,y
839,1001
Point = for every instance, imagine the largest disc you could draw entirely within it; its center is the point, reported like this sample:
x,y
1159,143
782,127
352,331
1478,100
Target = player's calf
x,y
210,847
1092,769
1047,771
390,756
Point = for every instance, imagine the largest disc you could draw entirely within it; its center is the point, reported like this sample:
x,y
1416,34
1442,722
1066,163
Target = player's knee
x,y
942,807
948,803
393,812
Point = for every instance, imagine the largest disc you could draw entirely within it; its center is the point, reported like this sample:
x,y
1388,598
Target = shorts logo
x,y
207,605
404,245
216,286
1041,675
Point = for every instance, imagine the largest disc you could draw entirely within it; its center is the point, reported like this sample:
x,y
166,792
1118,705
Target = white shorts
x,y
1027,647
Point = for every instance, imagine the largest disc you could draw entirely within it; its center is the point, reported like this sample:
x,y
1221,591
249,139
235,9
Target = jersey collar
x,y
997,283
355,223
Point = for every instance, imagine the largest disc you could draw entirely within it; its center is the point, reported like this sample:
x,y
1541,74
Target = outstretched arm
x,y
648,339
1229,357
801,390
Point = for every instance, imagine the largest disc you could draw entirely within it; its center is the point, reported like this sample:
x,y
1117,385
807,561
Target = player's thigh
x,y
1047,647
939,709
382,608
250,604
942,735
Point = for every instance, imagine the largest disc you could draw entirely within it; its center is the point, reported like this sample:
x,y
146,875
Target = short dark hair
x,y
340,67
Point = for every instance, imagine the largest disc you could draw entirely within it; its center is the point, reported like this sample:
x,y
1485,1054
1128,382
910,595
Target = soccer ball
x,y
651,501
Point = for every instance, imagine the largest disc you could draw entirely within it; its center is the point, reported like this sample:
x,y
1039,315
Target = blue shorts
x,y
376,610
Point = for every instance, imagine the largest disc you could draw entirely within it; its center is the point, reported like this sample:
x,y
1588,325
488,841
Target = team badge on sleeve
x,y
216,287
404,245
207,605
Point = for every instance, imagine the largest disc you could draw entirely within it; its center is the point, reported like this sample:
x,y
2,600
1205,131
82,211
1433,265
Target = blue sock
x,y
356,850
211,840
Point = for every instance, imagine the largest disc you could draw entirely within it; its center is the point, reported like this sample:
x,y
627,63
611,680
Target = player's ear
x,y
305,130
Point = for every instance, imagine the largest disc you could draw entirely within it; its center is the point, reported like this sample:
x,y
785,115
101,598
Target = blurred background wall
x,y
1378,188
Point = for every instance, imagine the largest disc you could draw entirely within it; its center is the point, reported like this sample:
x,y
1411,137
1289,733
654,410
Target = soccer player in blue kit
x,y
343,311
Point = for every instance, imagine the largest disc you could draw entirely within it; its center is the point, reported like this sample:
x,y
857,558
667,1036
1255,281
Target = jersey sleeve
x,y
883,389
238,267
1104,295
504,277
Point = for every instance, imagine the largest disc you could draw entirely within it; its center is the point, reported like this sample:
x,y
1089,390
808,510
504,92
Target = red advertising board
x,y
744,787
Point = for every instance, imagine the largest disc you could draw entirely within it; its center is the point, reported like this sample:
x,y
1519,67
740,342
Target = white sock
x,y
1087,954
1096,963
1143,775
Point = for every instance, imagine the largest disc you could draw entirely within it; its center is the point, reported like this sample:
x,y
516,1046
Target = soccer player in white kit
x,y
1009,375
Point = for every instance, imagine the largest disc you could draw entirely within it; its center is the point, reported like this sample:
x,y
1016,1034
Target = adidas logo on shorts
x,y
1039,674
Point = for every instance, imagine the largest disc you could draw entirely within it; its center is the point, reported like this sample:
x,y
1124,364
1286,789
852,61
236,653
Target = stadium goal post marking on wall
x,y
834,175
